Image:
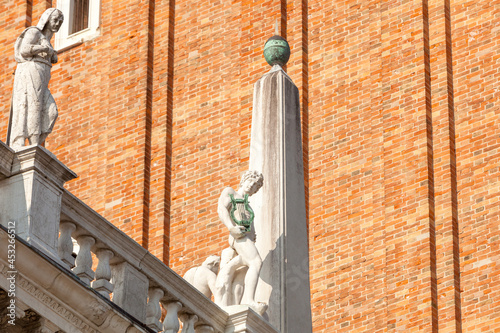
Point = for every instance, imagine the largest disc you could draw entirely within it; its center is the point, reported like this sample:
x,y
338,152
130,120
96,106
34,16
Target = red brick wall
x,y
400,134
476,53
370,181
218,57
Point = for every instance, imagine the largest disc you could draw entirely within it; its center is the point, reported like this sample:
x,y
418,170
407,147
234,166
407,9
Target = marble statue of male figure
x,y
33,109
241,240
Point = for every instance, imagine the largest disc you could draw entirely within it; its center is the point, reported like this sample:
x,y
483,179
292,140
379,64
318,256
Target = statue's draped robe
x,y
33,109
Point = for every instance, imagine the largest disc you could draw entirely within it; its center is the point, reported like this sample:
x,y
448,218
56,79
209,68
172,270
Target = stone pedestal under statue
x,y
276,151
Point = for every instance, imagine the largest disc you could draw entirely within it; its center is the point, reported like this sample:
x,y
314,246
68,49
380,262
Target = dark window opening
x,y
80,15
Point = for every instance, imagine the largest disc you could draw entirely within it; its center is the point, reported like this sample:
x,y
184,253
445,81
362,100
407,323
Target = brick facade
x,y
401,136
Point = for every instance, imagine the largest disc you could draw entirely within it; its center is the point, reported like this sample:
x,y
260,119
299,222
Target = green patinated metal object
x,y
276,51
242,205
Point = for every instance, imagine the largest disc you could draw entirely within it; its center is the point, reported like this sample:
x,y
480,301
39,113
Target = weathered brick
x,y
400,131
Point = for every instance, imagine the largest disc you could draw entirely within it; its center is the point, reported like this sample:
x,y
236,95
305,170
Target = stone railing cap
x,y
40,159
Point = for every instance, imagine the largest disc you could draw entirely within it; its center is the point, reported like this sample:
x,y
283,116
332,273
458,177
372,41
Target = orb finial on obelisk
x,y
276,49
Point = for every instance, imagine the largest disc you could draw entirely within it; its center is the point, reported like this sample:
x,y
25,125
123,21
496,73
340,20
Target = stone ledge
x,y
126,249
59,296
242,319
6,160
105,233
40,159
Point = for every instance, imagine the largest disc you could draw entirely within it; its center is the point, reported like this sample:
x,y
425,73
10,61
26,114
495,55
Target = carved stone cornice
x,y
51,302
53,292
40,159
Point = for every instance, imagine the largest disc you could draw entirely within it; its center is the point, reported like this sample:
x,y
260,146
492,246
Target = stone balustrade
x,y
131,276
49,218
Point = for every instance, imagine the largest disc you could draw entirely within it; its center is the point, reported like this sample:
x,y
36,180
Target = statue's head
x,y
212,263
51,18
251,181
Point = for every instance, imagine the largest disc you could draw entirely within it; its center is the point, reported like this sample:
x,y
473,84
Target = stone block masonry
x,y
400,132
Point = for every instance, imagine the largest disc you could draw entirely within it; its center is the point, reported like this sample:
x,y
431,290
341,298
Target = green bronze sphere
x,y
276,51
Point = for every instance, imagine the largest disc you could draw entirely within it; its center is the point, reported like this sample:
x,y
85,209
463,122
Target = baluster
x,y
204,329
171,323
153,311
65,243
188,321
103,273
83,267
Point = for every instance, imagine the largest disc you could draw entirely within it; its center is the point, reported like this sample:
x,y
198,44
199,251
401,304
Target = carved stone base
x,y
242,319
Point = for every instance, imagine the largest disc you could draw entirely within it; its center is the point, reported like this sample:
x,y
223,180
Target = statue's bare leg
x,y
223,284
251,258
239,284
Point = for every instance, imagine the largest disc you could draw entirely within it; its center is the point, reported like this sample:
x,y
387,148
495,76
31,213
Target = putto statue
x,y
203,278
33,111
240,263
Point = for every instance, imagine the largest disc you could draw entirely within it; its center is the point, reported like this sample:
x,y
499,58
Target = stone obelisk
x,y
276,151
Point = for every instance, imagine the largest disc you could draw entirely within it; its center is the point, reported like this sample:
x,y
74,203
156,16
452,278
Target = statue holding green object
x,y
235,212
245,212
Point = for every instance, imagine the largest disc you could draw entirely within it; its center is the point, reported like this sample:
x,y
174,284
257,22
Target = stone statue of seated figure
x,y
203,277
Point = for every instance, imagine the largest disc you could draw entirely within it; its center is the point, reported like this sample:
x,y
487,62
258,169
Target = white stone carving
x,y
103,273
83,261
188,321
242,253
231,279
153,311
62,310
33,109
65,243
171,322
203,277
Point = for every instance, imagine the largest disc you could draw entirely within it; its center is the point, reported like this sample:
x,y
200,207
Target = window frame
x,y
64,40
